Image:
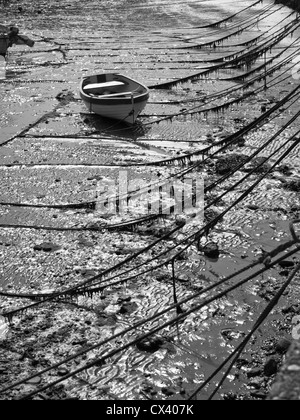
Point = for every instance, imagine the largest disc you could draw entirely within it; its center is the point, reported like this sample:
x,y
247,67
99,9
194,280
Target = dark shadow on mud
x,y
112,128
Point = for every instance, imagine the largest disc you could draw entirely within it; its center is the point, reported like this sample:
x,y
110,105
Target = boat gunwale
x,y
115,100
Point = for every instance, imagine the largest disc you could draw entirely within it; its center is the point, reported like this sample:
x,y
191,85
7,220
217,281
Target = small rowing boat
x,y
114,96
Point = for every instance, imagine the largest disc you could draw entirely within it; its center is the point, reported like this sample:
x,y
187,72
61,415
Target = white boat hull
x,y
114,96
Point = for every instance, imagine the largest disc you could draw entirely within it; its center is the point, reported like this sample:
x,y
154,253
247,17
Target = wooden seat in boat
x,y
95,86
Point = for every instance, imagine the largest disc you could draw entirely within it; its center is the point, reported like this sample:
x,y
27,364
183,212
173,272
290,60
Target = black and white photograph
x,y
149,203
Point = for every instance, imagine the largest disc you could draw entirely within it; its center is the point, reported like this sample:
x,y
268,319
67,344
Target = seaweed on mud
x,y
225,164
258,166
240,30
248,58
230,18
292,185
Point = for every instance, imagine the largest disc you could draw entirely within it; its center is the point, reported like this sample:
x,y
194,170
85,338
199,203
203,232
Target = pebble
x,y
271,367
283,345
180,220
293,185
259,394
150,345
254,373
86,273
47,247
105,320
286,264
252,207
284,273
85,242
34,381
128,308
211,250
63,372
168,391
256,383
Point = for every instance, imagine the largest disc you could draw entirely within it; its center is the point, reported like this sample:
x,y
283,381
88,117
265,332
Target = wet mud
x,y
93,280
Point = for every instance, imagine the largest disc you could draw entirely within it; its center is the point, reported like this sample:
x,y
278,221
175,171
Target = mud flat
x,y
100,304
293,4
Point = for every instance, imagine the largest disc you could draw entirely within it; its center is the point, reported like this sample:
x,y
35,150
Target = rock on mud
x,y
151,344
283,345
271,367
225,164
47,247
293,185
211,250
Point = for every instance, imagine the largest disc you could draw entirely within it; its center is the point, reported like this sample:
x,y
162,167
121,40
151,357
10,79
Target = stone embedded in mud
x,y
47,247
79,341
253,373
128,308
150,344
180,220
293,185
95,178
63,372
225,164
285,170
259,394
86,273
211,214
211,250
163,277
271,367
256,383
284,273
287,264
34,381
230,396
168,391
252,207
263,108
84,242
283,345
255,166
106,320
65,96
